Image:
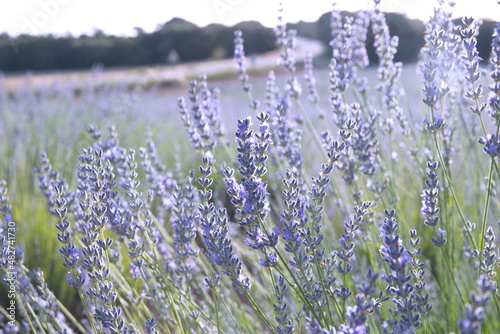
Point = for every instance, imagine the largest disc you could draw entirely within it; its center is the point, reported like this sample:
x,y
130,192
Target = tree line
x,y
410,31
180,40
184,39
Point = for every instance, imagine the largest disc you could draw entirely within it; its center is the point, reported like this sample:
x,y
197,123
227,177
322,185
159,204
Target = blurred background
x,y
43,36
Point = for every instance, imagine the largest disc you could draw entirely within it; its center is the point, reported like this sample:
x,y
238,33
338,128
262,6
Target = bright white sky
x,y
119,17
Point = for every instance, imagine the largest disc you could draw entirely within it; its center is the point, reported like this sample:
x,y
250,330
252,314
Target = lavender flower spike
x,y
474,312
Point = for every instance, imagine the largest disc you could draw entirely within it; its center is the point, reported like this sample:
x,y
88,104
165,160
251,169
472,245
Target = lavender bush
x,y
362,212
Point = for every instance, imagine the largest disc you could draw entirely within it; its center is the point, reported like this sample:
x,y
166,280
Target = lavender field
x,y
353,198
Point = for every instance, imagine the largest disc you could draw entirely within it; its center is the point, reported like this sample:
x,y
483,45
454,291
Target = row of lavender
x,y
353,219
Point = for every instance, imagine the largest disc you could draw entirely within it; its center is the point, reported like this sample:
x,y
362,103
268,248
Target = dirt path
x,y
159,74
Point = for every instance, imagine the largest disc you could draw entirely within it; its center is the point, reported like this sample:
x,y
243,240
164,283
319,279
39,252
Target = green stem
x,y
90,316
166,281
485,132
301,294
452,190
262,316
320,274
486,207
216,305
343,299
452,276
236,322
21,305
297,287
68,314
155,300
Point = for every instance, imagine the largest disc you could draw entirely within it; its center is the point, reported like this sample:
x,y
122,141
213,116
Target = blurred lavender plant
x,y
389,72
494,97
203,122
474,313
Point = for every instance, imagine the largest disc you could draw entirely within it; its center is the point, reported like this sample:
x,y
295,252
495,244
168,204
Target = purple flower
x,y
491,145
239,58
430,208
474,312
406,314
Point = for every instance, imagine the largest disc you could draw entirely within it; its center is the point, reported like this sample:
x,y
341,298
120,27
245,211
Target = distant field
x,y
162,86
164,75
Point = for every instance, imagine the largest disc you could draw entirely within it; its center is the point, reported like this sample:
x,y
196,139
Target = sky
x,y
119,17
